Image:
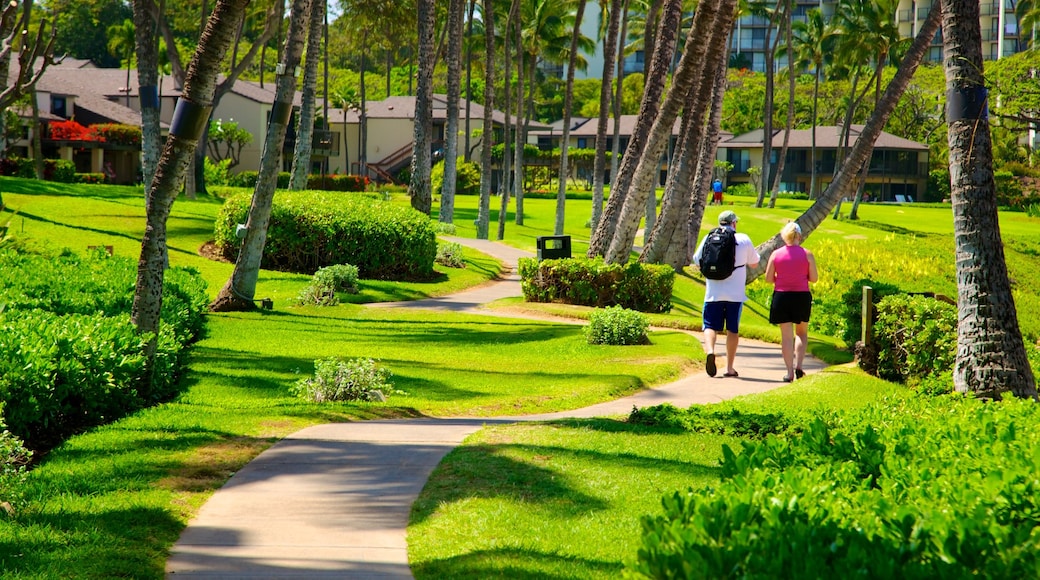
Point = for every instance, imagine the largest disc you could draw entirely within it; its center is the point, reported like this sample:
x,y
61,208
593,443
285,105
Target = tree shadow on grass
x,y
513,563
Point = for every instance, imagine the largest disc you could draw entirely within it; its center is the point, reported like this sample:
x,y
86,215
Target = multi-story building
x,y
1000,33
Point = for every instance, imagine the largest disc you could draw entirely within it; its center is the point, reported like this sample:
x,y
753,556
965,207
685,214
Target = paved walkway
x,y
332,501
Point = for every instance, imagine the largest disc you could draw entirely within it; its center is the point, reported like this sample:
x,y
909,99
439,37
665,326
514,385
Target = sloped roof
x,y
586,127
403,107
828,137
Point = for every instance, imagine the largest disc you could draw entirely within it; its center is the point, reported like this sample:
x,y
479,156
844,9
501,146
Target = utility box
x,y
553,247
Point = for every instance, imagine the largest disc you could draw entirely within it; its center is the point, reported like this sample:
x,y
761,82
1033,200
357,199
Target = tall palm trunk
x,y
649,109
193,111
301,165
422,149
456,8
599,164
469,76
767,113
678,195
568,104
619,92
506,183
146,42
815,116
487,137
864,145
521,125
687,74
991,356
782,160
854,212
363,113
238,291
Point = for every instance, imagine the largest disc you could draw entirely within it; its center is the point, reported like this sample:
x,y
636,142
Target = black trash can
x,y
553,247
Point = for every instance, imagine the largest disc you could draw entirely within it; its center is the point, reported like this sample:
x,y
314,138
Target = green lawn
x,y
110,503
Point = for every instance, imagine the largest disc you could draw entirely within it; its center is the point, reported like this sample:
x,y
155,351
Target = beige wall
x,y
250,116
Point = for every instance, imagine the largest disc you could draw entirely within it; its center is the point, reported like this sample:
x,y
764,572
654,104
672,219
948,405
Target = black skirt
x,y
790,307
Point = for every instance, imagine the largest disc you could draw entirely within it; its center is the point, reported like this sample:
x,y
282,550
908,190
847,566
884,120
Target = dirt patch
x,y
211,251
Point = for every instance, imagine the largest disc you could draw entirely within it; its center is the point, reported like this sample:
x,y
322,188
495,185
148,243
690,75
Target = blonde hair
x,y
791,233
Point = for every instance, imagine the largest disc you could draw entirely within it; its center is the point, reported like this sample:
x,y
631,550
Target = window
x,y
59,106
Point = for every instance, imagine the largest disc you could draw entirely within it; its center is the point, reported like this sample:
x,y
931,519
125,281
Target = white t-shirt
x,y
731,289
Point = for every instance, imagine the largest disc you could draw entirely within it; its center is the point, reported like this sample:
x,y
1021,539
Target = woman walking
x,y
790,269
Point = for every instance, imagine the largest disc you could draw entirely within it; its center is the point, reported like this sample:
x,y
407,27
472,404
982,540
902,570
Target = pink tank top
x,y
792,269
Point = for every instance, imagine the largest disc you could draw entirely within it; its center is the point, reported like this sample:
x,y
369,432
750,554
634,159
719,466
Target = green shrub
x,y
337,182
938,187
117,133
467,178
616,325
217,172
14,457
592,282
243,179
444,228
92,178
721,420
914,488
344,380
60,170
326,282
450,254
915,337
311,230
852,307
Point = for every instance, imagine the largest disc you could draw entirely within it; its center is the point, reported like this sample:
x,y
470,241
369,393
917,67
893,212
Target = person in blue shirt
x,y
716,192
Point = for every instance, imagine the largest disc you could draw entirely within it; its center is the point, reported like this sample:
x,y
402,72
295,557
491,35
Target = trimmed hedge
x,y
60,170
70,357
918,487
592,282
310,230
314,181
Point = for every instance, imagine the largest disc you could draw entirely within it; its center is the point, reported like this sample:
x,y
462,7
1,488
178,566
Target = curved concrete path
x,y
332,501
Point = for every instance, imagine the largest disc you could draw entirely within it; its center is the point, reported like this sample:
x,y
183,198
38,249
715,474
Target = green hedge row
x,y
592,282
923,487
310,230
60,170
314,181
70,357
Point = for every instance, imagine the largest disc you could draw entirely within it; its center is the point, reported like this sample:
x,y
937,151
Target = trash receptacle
x,y
553,247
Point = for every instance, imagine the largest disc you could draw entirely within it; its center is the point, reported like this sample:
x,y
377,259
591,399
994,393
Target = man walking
x,y
723,256
716,192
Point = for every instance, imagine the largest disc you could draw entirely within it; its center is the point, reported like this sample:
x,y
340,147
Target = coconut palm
x,y
422,154
196,98
238,291
600,164
991,355
121,40
568,99
456,9
649,109
148,68
301,164
487,135
812,39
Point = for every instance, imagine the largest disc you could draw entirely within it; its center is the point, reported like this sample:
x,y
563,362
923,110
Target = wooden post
x,y
867,336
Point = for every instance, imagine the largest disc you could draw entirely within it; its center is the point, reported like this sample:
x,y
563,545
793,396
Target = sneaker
x,y
799,373
709,365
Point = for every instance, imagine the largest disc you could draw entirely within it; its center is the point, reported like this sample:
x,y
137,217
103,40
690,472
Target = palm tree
x,y
197,97
238,292
991,355
649,110
301,165
456,9
506,183
121,40
782,158
812,40
568,99
599,164
687,74
769,11
1028,14
487,136
147,47
422,154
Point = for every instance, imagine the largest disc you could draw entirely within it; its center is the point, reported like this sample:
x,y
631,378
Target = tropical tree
x,y
487,135
568,104
301,165
600,162
456,10
238,292
768,10
192,114
649,110
82,25
146,44
812,39
688,74
419,188
991,355
121,40
782,157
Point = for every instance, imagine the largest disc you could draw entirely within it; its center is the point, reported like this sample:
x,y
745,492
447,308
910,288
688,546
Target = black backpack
x,y
719,254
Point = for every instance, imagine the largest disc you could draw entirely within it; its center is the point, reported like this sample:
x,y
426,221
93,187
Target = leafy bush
x,y
592,282
248,179
92,178
467,178
344,380
337,182
914,488
450,254
444,228
326,282
14,457
938,187
117,133
60,170
721,420
616,325
1009,191
852,306
70,357
311,230
916,338
217,172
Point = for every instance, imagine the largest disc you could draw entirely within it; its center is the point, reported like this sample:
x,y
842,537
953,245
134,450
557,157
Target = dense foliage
x,y
592,282
616,325
70,356
60,170
310,230
903,489
345,380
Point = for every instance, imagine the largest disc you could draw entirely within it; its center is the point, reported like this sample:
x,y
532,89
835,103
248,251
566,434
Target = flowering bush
x,y
116,133
72,131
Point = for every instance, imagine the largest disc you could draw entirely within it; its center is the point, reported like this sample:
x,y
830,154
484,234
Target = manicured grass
x,y
564,499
